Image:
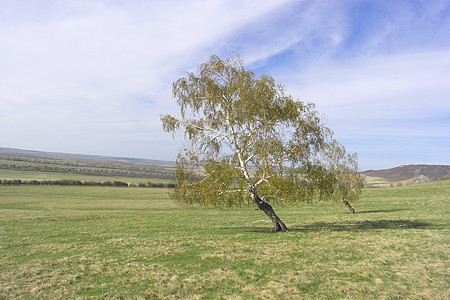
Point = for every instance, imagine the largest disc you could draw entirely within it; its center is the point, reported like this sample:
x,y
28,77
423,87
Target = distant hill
x,y
405,175
402,175
67,156
39,161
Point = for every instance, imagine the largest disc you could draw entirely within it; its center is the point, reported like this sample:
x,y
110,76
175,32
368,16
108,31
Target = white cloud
x,y
378,103
406,85
88,66
93,76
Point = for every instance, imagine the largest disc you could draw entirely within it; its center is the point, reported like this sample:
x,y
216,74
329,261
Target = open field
x,y
36,175
51,166
376,182
104,242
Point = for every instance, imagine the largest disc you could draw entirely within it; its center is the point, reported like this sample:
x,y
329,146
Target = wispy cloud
x,y
383,83
93,76
71,66
400,85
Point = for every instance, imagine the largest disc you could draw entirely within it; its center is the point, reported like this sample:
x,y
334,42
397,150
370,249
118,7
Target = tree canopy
x,y
252,142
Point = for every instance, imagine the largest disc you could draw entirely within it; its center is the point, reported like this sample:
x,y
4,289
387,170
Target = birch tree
x,y
249,141
345,180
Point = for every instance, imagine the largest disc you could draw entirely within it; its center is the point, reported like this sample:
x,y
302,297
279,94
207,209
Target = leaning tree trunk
x,y
350,208
278,225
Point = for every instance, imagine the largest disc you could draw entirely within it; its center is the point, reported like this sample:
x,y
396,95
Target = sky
x,y
94,76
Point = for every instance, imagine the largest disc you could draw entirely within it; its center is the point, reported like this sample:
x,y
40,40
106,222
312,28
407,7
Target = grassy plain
x,y
104,242
376,182
38,175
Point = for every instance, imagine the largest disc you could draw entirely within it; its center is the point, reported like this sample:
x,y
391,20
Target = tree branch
x,y
214,134
238,151
232,191
262,180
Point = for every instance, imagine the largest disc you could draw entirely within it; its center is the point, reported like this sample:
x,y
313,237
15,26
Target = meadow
x,y
113,243
30,175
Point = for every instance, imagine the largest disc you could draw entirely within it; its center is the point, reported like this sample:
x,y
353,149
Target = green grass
x,y
82,242
377,182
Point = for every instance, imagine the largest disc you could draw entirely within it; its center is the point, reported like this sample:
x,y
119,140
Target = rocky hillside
x,y
410,174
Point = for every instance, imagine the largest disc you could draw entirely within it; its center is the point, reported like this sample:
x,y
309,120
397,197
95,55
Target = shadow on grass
x,y
380,211
363,225
344,226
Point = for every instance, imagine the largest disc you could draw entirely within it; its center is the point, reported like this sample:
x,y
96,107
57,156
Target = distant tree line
x,y
74,182
152,185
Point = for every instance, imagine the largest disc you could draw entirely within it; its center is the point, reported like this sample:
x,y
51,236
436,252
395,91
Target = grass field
x,y
83,242
376,182
37,175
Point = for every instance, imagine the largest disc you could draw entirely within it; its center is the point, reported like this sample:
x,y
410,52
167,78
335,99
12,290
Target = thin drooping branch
x,y
231,191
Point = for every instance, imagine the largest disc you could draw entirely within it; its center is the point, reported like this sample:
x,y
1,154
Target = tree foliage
x,y
250,141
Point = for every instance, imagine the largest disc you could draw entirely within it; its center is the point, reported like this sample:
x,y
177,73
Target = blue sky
x,y
93,77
